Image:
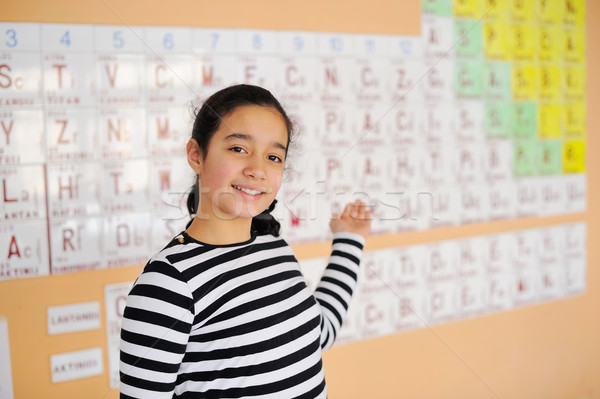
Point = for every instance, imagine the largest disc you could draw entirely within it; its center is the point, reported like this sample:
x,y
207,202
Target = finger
x,y
347,210
362,214
359,207
355,212
365,212
358,204
352,210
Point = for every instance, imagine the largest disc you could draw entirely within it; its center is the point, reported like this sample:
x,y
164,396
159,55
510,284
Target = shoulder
x,y
162,280
171,260
181,252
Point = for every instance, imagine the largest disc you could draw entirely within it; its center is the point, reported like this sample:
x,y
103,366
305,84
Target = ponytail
x,y
265,223
192,201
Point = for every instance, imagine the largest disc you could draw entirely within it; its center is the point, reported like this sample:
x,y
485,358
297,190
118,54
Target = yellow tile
x,y
525,81
574,156
495,40
549,120
551,82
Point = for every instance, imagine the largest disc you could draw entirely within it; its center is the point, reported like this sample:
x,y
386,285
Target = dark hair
x,y
207,122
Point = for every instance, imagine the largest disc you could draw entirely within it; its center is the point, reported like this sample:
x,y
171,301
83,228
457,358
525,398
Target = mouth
x,y
248,191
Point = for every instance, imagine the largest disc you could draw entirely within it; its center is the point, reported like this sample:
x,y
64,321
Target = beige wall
x,y
544,351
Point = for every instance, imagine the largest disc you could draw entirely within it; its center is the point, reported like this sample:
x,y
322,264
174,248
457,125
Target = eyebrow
x,y
246,137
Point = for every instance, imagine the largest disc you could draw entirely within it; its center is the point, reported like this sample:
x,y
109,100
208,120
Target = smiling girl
x,y
223,310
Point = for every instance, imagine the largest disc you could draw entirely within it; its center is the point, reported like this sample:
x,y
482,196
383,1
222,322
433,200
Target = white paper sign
x,y
76,365
71,318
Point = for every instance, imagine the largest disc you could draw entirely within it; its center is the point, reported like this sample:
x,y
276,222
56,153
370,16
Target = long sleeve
x,y
334,291
154,333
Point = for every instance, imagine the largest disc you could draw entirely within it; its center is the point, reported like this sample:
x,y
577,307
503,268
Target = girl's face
x,y
244,163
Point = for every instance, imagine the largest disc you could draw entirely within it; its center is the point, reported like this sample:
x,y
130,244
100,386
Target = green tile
x,y
550,161
498,119
496,81
525,157
524,120
468,38
437,7
467,82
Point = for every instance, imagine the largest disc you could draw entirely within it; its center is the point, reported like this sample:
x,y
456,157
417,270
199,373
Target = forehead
x,y
260,122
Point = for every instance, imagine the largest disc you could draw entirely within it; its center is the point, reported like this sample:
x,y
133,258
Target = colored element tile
x,y
550,82
437,7
550,12
495,10
550,120
551,45
574,45
468,38
522,10
574,82
523,42
496,80
574,118
495,42
573,12
550,161
525,81
525,157
467,8
498,119
467,81
524,121
574,156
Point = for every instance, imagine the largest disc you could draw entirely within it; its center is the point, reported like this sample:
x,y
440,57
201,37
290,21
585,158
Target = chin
x,y
235,212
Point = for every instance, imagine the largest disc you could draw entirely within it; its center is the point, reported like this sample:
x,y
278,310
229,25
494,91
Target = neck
x,y
220,232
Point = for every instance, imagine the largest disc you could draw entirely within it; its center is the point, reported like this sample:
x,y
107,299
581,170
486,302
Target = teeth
x,y
247,190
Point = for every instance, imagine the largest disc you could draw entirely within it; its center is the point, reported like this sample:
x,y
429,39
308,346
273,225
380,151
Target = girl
x,y
223,310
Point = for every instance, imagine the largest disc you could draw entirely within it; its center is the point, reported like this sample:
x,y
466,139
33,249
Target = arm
x,y
154,332
337,284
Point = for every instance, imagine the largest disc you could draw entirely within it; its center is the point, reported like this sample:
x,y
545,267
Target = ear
x,y
194,156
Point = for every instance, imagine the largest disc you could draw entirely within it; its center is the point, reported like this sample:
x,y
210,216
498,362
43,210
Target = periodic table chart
x,y
480,118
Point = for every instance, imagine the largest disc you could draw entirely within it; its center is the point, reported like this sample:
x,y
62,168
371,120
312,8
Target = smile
x,y
248,191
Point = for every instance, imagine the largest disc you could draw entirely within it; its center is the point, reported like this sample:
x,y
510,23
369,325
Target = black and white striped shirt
x,y
233,321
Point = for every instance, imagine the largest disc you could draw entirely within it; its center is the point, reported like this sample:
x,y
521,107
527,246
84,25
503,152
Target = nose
x,y
255,169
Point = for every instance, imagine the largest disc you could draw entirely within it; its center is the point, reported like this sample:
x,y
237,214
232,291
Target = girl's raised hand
x,y
356,218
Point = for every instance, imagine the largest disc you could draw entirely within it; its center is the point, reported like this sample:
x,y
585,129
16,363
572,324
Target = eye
x,y
274,158
237,149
